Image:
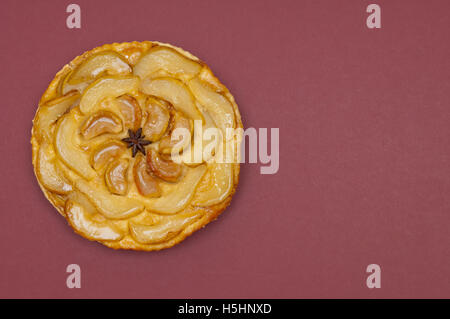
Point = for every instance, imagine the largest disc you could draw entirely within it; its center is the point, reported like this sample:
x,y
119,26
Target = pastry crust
x,y
78,191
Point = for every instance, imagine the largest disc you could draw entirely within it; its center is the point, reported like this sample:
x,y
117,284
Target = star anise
x,y
136,142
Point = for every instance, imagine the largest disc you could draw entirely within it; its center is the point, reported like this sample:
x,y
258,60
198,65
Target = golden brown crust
x,y
133,51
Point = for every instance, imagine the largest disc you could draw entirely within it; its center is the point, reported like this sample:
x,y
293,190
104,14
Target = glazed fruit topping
x,y
163,168
100,123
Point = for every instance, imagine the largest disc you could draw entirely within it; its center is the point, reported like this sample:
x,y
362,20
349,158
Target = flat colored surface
x,y
364,150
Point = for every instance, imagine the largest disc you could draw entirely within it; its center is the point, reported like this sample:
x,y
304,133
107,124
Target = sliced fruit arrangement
x,y
84,223
102,63
164,230
175,92
115,143
51,111
66,145
104,87
217,105
166,59
48,172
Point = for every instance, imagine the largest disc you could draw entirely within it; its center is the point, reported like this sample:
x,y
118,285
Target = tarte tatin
x,y
108,155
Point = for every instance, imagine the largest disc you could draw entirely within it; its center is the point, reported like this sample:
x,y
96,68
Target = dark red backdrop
x,y
364,171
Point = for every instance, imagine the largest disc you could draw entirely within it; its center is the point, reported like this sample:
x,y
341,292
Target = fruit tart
x,y
137,145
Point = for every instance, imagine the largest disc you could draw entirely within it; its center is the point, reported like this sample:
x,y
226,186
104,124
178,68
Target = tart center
x,y
136,141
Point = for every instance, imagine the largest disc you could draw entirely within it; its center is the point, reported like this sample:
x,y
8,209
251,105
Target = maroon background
x,y
364,170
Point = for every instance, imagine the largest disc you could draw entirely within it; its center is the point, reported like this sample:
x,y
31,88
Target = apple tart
x,y
107,156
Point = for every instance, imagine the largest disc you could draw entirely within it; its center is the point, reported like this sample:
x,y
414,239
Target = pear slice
x,y
48,173
218,182
106,152
54,109
146,183
131,111
167,59
105,87
66,146
109,205
64,87
83,223
172,140
211,137
175,92
215,186
215,103
99,123
103,63
166,229
158,117
175,197
116,177
162,167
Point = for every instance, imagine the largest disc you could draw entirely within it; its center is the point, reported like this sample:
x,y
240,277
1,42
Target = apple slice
x,y
103,63
105,87
176,197
166,229
83,223
54,109
215,103
48,173
167,59
175,92
109,205
66,146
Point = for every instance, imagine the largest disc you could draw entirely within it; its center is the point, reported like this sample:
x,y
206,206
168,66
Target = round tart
x,y
108,153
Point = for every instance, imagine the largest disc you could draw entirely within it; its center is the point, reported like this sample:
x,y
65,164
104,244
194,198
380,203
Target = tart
x,y
106,152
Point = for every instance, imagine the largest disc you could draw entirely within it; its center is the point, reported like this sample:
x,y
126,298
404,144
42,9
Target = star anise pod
x,y
136,142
